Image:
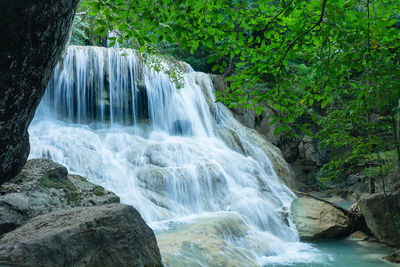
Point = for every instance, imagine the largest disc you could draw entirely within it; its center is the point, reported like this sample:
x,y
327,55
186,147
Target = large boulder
x,y
44,186
380,213
34,35
318,219
107,235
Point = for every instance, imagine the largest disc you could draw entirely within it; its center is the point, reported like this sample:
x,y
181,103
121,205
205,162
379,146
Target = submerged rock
x,y
393,257
169,154
358,236
380,215
107,235
318,219
203,180
44,186
208,241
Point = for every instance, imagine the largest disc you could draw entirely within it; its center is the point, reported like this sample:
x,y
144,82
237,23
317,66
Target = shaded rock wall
x,y
33,35
381,214
302,153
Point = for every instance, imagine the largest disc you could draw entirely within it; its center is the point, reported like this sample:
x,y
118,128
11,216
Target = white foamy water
x,y
165,151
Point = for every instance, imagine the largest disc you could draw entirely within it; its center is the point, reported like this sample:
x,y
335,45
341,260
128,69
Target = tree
x,y
349,49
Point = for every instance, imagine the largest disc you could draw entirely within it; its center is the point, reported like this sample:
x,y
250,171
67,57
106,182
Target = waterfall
x,y
193,172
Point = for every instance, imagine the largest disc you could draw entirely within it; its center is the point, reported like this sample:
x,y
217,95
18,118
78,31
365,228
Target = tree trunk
x,y
33,36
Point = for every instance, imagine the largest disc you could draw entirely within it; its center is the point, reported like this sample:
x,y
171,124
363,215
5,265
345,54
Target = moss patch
x,y
73,197
61,183
83,179
99,191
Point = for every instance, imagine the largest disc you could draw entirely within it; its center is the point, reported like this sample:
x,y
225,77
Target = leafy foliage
x,y
335,63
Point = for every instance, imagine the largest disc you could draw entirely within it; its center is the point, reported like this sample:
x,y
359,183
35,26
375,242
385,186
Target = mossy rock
x,y
83,179
73,197
99,191
58,182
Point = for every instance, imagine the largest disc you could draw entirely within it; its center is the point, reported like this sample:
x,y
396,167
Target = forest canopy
x,y
326,68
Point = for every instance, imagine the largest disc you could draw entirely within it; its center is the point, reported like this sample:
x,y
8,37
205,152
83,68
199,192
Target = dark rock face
x,y
181,127
379,213
357,220
394,257
34,34
108,235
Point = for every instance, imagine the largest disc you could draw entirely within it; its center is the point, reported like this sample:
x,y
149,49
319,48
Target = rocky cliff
x,y
34,34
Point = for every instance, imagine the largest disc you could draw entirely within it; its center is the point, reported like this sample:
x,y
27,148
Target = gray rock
x,y
232,139
159,180
304,170
58,173
308,151
153,178
378,212
357,190
31,27
281,167
393,257
264,127
163,154
246,116
290,149
44,186
108,235
358,236
354,179
317,219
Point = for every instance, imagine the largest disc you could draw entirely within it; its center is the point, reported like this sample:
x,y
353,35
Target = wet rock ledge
x,y
50,218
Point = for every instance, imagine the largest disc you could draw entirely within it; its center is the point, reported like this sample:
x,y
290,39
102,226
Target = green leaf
x,y
259,110
211,59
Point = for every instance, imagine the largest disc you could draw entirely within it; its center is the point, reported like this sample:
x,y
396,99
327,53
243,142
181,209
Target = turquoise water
x,y
345,253
344,203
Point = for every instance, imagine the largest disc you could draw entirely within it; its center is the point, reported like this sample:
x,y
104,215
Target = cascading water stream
x,y
170,153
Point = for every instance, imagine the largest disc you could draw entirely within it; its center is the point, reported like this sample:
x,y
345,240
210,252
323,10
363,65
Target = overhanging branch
x,y
321,18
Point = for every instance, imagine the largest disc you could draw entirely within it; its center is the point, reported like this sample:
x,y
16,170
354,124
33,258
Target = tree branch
x,y
321,18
